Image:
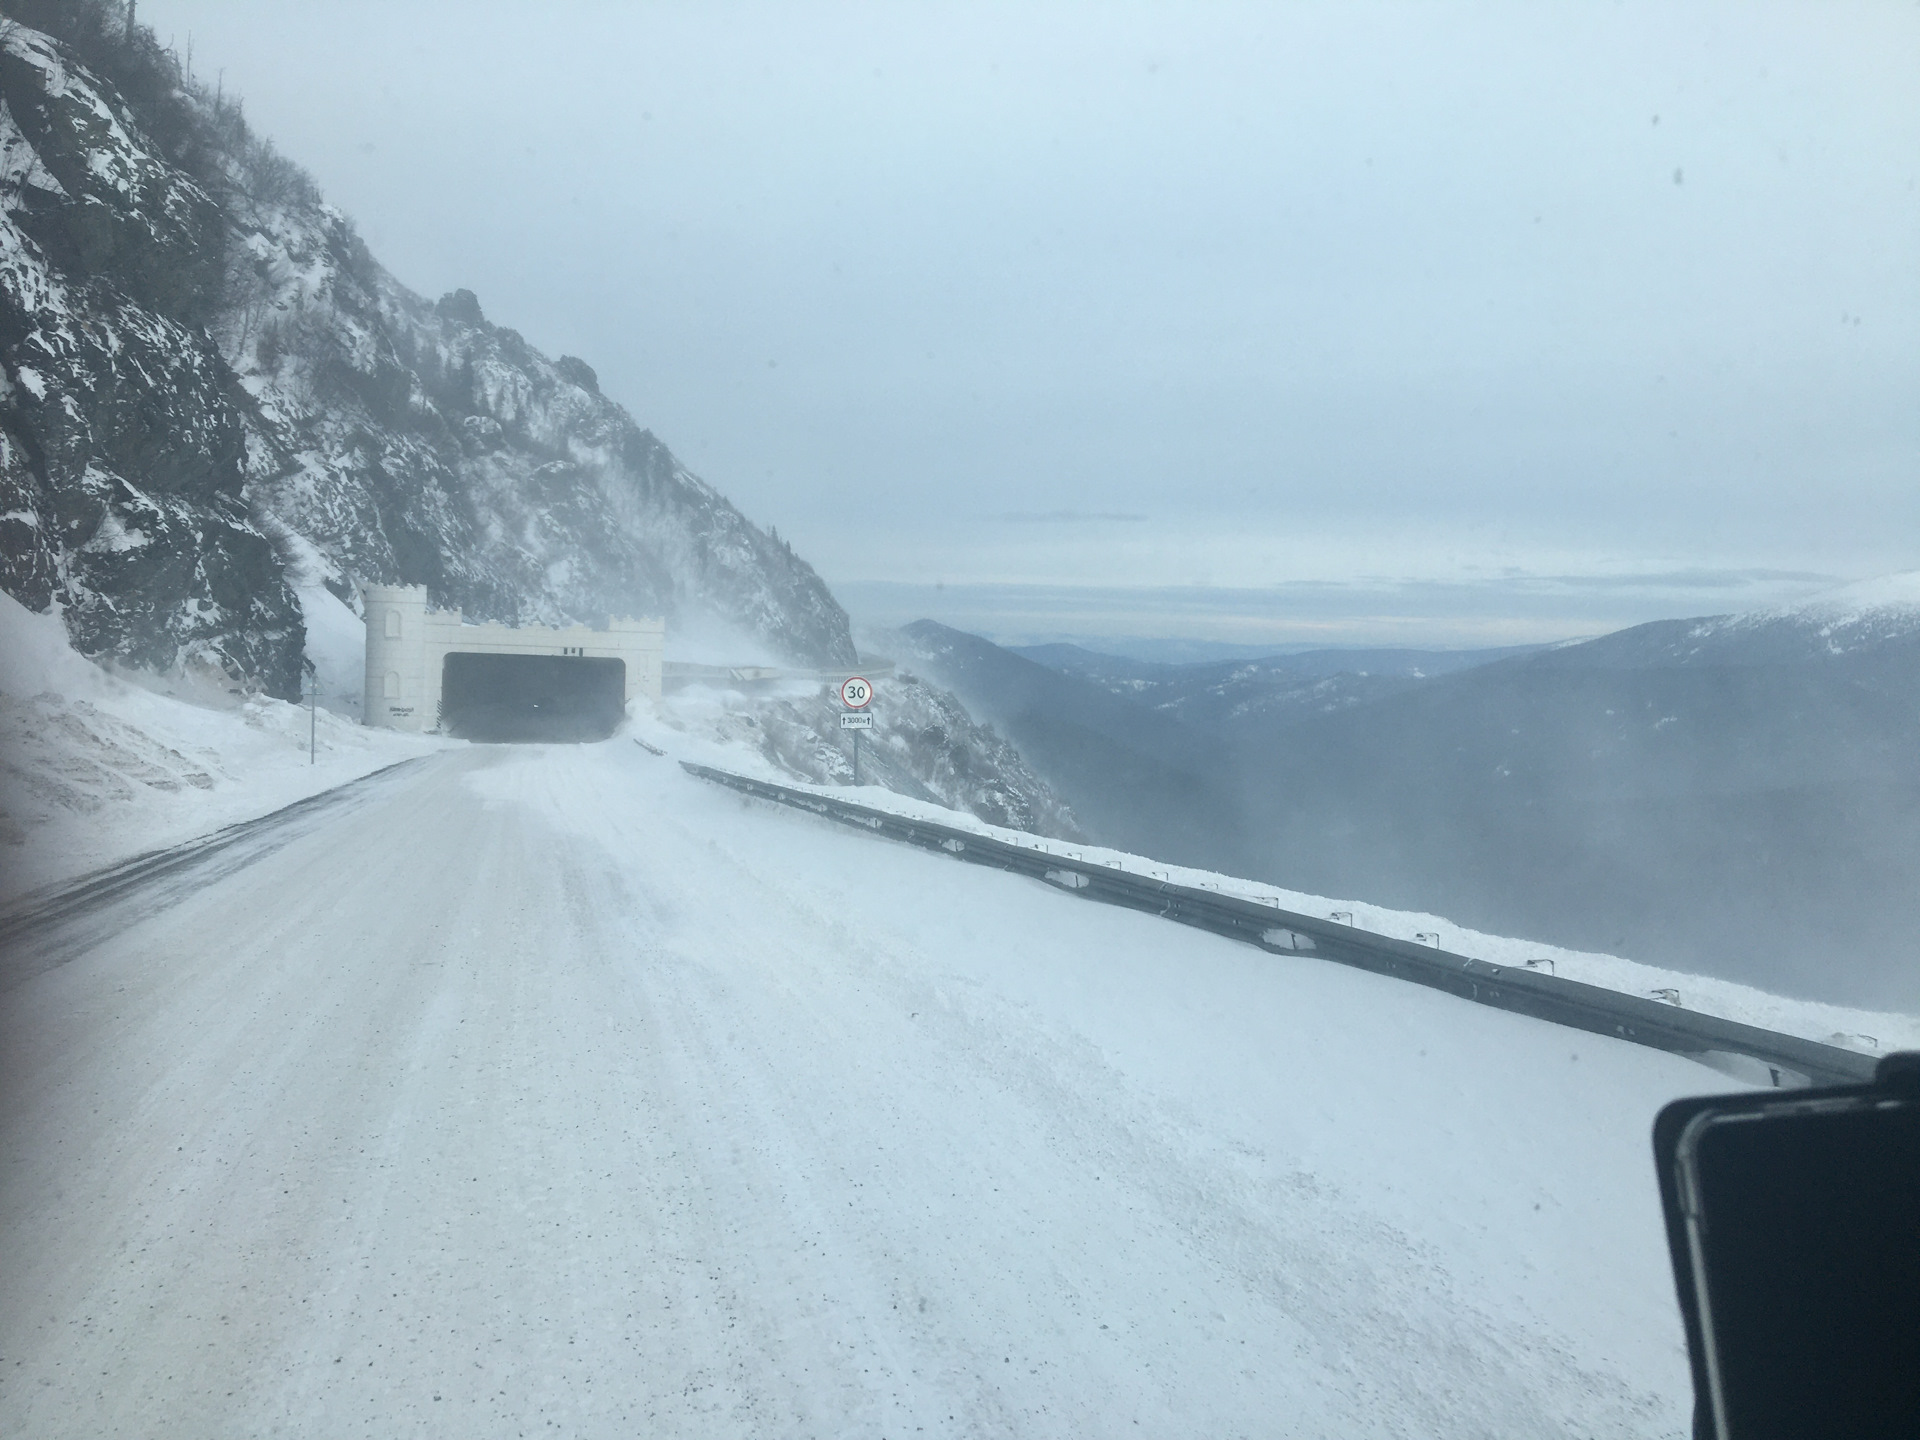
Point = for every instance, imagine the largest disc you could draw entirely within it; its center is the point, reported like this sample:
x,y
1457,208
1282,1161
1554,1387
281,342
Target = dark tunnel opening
x,y
564,698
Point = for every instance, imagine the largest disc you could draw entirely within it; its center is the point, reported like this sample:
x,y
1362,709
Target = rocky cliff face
x,y
209,381
123,432
923,744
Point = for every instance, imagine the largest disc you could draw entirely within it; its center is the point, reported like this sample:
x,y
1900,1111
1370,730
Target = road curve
x,y
546,1091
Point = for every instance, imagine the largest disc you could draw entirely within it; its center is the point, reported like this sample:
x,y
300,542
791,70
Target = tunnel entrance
x,y
532,697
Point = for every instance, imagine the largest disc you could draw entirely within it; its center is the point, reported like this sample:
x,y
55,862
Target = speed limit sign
x,y
856,693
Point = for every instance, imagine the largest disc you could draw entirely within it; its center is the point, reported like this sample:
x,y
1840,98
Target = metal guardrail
x,y
675,673
1790,1059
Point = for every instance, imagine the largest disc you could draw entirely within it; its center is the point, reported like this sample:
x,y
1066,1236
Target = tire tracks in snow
x,y
101,904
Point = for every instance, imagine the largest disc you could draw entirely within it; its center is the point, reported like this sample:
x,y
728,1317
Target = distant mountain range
x,y
1306,682
1417,664
1737,795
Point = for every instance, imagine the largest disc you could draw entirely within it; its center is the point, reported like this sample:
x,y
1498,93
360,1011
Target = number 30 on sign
x,y
856,693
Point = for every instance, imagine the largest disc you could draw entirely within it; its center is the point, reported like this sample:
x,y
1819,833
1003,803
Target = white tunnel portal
x,y
430,670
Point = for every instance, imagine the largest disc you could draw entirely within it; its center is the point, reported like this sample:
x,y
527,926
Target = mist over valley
x,y
1731,795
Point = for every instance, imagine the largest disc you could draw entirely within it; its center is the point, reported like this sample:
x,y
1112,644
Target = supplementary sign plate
x,y
856,721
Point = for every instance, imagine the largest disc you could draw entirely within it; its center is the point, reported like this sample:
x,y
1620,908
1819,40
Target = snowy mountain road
x,y
84,912
551,1091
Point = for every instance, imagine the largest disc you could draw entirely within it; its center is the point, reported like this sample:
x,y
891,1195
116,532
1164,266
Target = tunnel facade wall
x,y
408,644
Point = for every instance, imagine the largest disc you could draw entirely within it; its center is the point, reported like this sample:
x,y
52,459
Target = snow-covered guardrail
x,y
1790,1059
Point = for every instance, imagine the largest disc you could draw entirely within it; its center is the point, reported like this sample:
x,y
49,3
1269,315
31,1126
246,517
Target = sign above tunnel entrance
x,y
856,693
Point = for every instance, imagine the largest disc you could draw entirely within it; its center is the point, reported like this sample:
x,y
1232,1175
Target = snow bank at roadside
x,y
96,766
1867,1031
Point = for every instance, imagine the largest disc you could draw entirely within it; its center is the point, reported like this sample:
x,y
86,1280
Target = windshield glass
x,y
976,719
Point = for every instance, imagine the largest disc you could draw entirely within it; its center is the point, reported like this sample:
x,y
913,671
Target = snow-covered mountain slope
x,y
208,377
123,437
98,765
1873,620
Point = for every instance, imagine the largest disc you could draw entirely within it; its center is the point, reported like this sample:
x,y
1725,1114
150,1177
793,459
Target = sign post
x,y
856,693
313,701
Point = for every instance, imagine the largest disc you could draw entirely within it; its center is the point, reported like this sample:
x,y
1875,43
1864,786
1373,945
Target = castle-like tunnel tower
x,y
430,670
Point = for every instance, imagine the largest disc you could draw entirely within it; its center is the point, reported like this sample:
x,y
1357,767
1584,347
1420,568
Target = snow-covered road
x,y
551,1092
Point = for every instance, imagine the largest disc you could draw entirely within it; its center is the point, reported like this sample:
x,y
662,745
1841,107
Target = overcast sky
x,y
1440,323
